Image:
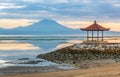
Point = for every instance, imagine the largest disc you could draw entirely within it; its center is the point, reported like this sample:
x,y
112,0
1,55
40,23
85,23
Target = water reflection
x,y
15,45
12,48
2,61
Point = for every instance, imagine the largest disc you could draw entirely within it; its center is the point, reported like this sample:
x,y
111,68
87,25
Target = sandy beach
x,y
106,70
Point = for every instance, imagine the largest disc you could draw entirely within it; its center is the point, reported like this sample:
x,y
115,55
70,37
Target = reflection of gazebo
x,y
95,28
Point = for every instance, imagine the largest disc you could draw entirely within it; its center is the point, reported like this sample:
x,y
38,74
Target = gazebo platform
x,y
94,42
100,43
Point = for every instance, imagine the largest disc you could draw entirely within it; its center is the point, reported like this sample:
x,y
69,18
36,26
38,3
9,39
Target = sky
x,y
71,13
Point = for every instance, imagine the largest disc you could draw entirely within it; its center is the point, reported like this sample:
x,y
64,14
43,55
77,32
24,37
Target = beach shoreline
x,y
13,70
106,70
21,70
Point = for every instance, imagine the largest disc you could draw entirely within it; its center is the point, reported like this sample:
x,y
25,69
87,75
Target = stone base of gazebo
x,y
94,42
101,43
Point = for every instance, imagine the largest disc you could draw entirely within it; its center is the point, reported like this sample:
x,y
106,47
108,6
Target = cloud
x,y
113,3
114,26
12,23
65,10
45,1
54,9
10,6
116,5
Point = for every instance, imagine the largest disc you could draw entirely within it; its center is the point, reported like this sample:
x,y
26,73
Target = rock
x,y
23,59
32,62
72,55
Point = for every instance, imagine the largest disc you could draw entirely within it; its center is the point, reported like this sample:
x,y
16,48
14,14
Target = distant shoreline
x,y
54,35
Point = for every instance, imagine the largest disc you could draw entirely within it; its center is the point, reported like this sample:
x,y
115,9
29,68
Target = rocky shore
x,y
83,57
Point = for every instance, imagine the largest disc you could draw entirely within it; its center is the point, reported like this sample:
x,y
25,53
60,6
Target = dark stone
x,y
70,55
23,59
32,62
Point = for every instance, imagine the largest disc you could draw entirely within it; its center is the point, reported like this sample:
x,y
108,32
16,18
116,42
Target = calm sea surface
x,y
20,50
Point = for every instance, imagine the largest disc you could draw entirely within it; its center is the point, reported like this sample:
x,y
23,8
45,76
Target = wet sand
x,y
107,70
27,69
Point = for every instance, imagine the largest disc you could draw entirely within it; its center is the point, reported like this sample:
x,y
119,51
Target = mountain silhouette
x,y
45,27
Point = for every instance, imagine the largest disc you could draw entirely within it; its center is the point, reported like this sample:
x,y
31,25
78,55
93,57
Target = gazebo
x,y
97,32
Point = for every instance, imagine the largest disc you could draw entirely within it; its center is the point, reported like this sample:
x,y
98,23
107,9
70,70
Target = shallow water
x,y
13,48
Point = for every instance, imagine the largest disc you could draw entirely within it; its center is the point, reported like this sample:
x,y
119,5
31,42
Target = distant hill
x,y
45,27
42,27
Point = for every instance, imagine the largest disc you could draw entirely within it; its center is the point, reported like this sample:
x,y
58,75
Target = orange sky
x,y
80,24
11,23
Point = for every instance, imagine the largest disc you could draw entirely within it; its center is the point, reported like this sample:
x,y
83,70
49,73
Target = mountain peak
x,y
47,20
45,26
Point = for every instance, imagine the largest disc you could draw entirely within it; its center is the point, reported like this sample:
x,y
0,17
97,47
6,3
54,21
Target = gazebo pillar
x,y
87,35
97,35
92,35
102,35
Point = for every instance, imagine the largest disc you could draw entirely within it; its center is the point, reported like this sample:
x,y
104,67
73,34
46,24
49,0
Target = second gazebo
x,y
95,30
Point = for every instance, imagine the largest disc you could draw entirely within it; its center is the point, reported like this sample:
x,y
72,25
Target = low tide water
x,y
22,50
